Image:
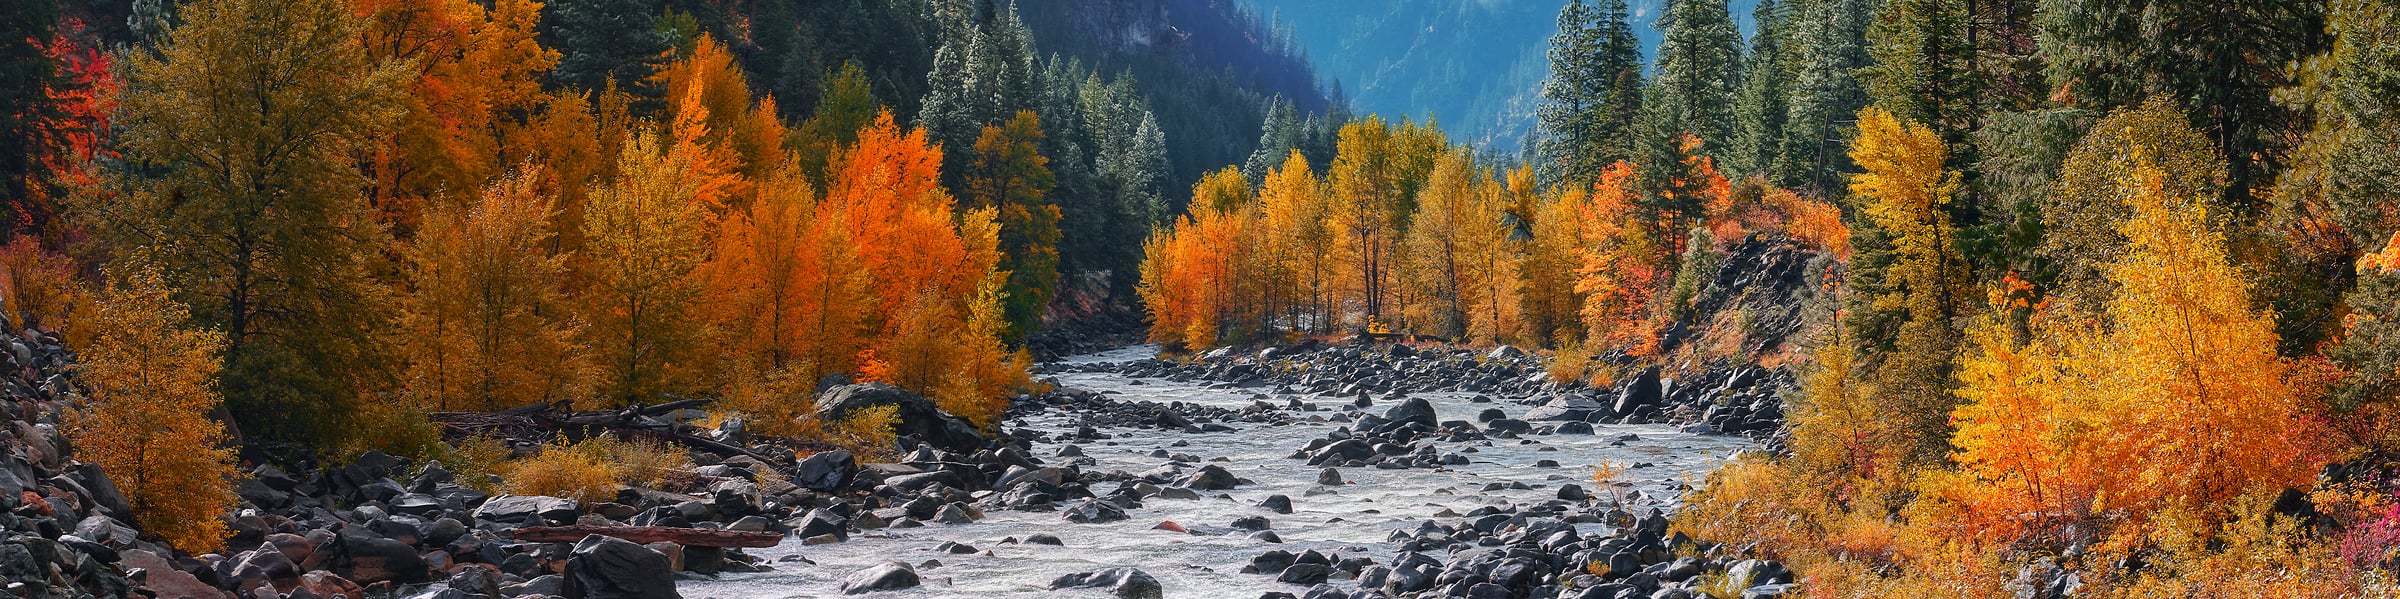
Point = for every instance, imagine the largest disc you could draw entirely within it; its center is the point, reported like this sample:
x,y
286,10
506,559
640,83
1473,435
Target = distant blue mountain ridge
x,y
1476,66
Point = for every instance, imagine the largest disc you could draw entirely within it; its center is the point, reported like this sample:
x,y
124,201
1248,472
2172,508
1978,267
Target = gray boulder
x,y
1125,583
604,567
890,576
826,471
919,418
529,510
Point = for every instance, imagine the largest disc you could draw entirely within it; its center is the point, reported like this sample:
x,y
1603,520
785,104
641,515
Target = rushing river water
x,y
1207,563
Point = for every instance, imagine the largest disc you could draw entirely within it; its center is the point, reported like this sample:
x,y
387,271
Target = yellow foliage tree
x,y
2177,404
1551,307
1299,243
1904,191
644,239
488,324
148,424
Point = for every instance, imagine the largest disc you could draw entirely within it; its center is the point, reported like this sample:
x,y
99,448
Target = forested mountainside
x,y
1477,65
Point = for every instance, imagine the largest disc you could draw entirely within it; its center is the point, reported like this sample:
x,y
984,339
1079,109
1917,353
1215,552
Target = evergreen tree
x,y
1000,70
1699,66
27,77
1283,133
948,115
2222,61
1593,93
600,41
1760,111
1923,68
1831,45
1008,174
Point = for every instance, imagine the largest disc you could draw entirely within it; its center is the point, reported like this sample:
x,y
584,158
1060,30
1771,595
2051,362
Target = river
x,y
1659,461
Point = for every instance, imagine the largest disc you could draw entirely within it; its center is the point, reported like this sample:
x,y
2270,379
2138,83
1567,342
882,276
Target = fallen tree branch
x,y
694,537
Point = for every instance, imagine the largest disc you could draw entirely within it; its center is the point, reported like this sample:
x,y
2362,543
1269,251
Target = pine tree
x,y
603,41
1593,93
1831,46
1764,105
243,132
2221,61
1924,69
948,112
2347,169
1698,70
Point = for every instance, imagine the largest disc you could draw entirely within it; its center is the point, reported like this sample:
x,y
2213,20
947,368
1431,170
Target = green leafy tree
x,y
243,188
1009,174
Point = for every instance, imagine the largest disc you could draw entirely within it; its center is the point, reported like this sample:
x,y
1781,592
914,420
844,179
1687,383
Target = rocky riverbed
x,y
1212,480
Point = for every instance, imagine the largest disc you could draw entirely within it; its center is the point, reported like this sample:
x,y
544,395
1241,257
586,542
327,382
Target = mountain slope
x,y
1476,65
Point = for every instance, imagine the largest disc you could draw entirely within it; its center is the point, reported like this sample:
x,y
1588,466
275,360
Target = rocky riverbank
x,y
1527,531
747,506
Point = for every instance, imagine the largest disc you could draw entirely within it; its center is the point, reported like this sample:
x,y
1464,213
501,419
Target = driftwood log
x,y
558,419
690,537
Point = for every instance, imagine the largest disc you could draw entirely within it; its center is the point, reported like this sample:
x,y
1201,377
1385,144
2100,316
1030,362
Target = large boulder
x,y
367,558
605,567
826,471
529,510
1415,409
1125,583
890,576
1643,390
919,418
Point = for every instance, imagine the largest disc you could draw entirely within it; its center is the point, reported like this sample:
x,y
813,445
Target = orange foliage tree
x,y
1190,276
477,78
1619,272
933,273
789,305
148,424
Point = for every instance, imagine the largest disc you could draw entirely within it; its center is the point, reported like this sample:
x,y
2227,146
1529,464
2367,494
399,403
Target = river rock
x,y
1093,511
1643,390
919,418
826,471
889,576
1414,409
1277,503
529,510
1126,583
1211,478
1305,574
603,567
